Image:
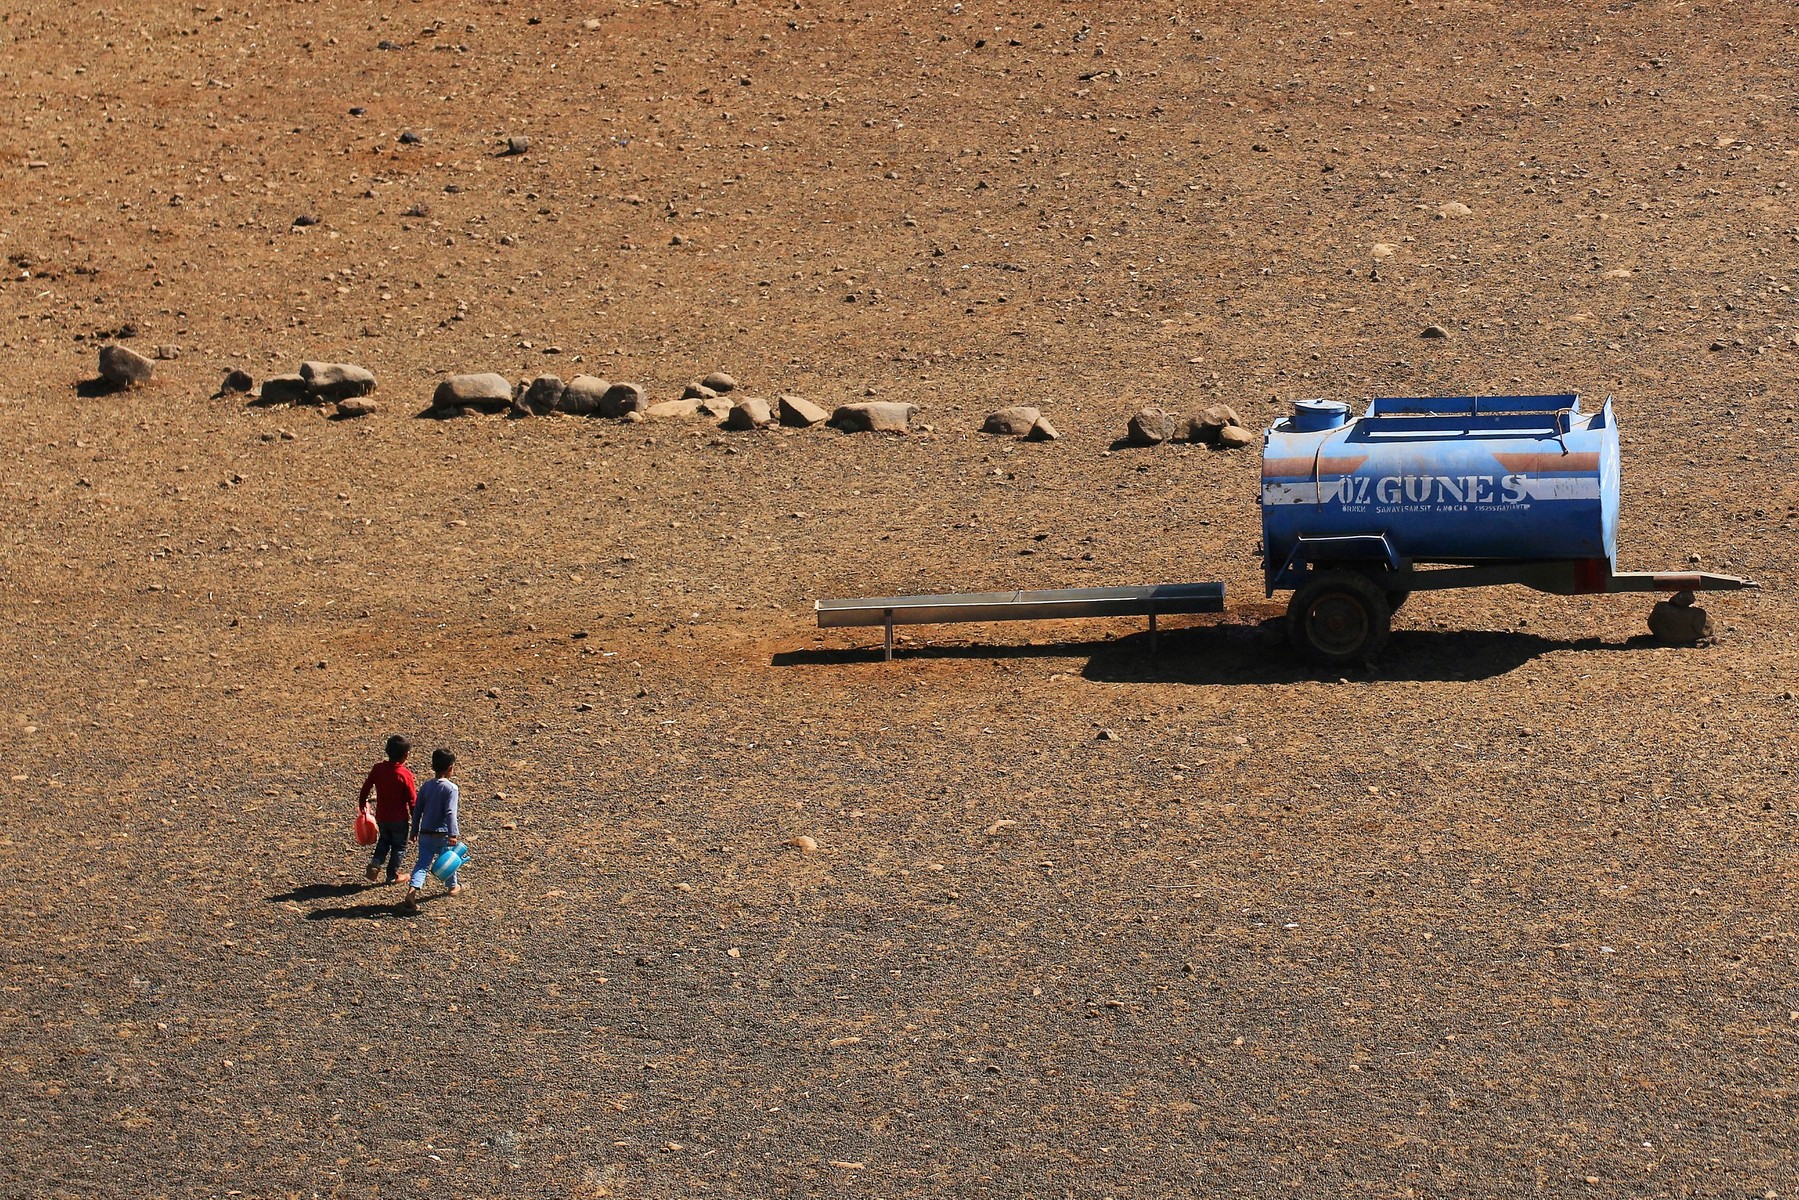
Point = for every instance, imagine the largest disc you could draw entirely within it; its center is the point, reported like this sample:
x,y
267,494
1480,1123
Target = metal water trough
x,y
1166,599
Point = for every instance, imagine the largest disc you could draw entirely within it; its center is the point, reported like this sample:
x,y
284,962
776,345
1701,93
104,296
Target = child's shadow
x,y
369,912
318,891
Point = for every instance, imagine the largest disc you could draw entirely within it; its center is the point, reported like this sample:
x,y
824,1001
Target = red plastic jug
x,y
366,832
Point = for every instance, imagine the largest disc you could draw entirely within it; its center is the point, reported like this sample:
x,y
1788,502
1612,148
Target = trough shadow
x,y
844,655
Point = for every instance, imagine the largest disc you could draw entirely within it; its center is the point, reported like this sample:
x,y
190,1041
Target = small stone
x,y
719,382
541,397
591,24
122,368
489,392
1381,250
673,410
1015,421
516,145
168,353
804,844
286,389
410,138
1235,437
1453,208
1434,331
751,412
799,412
621,399
698,391
1042,431
1150,427
355,406
581,396
237,381
305,219
337,381
874,416
1106,735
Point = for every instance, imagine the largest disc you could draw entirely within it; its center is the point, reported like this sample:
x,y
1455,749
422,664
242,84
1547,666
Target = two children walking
x,y
407,812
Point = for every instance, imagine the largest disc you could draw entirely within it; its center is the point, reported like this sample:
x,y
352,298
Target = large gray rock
x,y
675,409
796,410
489,391
697,391
286,389
1150,427
1204,425
621,399
337,381
541,397
874,416
719,382
237,381
1042,431
1680,621
1016,420
581,395
355,406
121,368
716,407
751,412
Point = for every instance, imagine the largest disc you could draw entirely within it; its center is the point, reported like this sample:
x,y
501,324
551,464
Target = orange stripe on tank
x,y
1301,468
1535,463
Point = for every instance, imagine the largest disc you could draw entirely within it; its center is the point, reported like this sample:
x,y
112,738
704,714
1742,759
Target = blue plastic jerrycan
x,y
446,864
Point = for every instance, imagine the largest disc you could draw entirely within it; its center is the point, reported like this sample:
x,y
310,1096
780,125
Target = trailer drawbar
x,y
1416,494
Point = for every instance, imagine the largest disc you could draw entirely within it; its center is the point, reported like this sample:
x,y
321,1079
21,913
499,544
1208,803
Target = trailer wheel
x,y
1339,617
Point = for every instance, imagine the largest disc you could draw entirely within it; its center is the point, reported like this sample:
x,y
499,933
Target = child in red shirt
x,y
395,794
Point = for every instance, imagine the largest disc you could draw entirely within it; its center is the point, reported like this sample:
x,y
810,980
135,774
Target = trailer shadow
x,y
1237,655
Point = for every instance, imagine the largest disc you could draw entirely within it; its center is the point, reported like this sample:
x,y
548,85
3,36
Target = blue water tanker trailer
x,y
1416,494
1445,492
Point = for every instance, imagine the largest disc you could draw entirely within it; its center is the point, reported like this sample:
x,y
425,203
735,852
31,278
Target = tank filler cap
x,y
1315,416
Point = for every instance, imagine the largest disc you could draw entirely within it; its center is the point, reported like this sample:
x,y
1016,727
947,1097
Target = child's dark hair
x,y
398,748
442,761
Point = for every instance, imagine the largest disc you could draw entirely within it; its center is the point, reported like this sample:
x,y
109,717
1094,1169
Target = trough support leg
x,y
1152,631
887,630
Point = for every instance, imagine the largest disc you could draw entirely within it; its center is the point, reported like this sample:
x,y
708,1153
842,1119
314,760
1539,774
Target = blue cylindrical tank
x,y
1483,479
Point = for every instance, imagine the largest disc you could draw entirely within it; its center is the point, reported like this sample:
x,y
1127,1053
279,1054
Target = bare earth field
x,y
1509,914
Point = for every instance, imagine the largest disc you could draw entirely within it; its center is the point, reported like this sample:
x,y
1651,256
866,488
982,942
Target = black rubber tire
x,y
1396,600
1339,618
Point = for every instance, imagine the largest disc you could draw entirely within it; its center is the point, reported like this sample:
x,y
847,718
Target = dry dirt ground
x,y
1510,914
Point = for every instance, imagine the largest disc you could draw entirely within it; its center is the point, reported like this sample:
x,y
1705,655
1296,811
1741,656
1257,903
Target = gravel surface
x,y
1508,914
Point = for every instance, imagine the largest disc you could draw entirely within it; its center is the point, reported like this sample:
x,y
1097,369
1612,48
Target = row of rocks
x,y
348,386
1218,426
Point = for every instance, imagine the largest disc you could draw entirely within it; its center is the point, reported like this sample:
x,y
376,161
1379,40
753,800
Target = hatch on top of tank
x,y
1478,416
1471,406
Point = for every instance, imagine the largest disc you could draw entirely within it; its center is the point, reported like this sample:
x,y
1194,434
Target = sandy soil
x,y
1509,914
